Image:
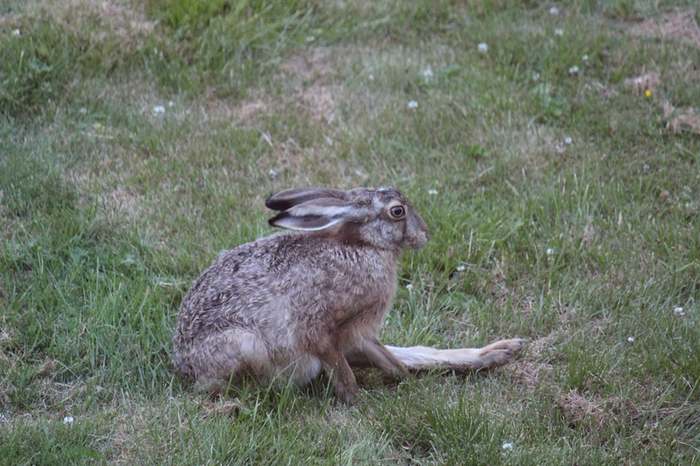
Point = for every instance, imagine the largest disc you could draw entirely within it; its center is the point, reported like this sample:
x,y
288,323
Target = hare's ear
x,y
287,199
316,215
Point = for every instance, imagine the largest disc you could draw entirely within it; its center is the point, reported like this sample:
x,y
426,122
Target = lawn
x,y
553,148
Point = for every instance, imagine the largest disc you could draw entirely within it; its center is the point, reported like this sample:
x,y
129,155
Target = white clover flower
x,y
585,58
574,71
483,47
82,110
432,192
568,141
678,311
409,287
68,420
461,268
158,110
630,339
412,104
273,173
554,11
428,73
171,104
559,32
507,446
370,77
550,251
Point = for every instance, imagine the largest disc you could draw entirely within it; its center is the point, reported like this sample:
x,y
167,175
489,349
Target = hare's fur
x,y
294,304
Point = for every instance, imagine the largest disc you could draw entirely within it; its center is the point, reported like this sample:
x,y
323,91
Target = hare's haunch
x,y
297,303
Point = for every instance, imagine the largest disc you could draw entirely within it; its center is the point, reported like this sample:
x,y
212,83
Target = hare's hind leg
x,y
374,354
420,358
226,355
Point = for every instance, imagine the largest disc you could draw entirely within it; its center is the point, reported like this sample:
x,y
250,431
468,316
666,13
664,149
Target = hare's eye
x,y
397,212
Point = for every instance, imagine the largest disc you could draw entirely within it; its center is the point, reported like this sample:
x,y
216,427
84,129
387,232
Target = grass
x,y
110,208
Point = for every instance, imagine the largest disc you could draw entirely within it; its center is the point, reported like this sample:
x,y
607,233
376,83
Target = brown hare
x,y
294,304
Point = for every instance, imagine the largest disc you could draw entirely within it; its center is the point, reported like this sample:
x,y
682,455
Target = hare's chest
x,y
364,294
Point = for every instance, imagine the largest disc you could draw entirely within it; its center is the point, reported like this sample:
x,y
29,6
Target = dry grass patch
x,y
578,409
529,373
680,120
311,64
122,19
309,75
678,25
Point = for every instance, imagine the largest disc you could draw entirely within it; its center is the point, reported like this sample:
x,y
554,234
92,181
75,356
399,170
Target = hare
x,y
297,303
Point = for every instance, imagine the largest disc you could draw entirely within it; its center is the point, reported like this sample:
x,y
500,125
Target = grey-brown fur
x,y
293,304
298,302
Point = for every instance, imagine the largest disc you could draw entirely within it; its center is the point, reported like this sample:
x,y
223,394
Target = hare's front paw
x,y
500,352
346,393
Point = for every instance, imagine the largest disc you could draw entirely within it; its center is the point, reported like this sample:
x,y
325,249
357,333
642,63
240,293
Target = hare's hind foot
x,y
421,358
500,352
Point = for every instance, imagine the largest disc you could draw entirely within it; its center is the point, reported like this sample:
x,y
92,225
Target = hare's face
x,y
392,222
380,217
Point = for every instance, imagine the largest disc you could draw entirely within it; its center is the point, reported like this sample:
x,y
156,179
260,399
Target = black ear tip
x,y
273,203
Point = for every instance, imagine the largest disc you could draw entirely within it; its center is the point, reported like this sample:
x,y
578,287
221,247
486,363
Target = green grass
x,y
108,211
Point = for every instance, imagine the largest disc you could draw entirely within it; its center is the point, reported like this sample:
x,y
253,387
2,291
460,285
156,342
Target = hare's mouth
x,y
418,241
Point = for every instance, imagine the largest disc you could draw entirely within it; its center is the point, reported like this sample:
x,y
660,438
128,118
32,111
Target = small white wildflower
x,y
409,287
554,11
630,339
550,251
68,420
273,173
158,110
432,192
559,32
428,73
82,110
507,446
585,58
412,104
171,104
535,76
461,268
370,77
483,47
574,71
16,32
678,311
310,38
645,167
328,140
568,141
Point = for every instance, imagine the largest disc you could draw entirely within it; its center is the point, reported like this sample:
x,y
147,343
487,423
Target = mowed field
x,y
553,148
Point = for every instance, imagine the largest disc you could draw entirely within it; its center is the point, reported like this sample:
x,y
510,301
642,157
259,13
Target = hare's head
x,y
380,217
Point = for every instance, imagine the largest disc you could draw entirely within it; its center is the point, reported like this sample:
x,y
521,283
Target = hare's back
x,y
228,293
